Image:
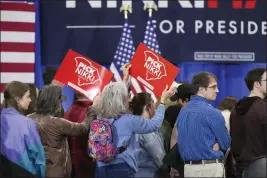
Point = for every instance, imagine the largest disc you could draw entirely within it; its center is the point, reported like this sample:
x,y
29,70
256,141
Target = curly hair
x,y
113,101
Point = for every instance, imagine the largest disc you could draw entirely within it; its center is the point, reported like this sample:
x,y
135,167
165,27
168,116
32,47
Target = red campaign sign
x,y
152,70
83,74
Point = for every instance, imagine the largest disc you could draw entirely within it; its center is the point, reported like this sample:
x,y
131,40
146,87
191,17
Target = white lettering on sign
x,y
85,72
154,68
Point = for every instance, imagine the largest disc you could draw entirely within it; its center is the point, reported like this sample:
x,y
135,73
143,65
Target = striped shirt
x,y
200,126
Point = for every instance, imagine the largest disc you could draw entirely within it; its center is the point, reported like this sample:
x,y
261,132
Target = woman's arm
x,y
143,126
74,129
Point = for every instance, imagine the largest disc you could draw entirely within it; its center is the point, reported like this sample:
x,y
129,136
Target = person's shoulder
x,y
209,110
261,106
260,103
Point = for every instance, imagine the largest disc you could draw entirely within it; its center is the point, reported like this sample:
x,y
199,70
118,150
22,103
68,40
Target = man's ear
x,y
257,84
186,100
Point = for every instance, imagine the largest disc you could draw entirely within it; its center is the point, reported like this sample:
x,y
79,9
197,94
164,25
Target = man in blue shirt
x,y
200,126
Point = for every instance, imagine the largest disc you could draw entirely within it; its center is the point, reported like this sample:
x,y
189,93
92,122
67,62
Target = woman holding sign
x,y
151,150
116,156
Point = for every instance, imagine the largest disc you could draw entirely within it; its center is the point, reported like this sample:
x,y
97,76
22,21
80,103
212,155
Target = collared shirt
x,y
200,126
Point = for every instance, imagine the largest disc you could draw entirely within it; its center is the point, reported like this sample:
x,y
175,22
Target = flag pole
x,y
126,9
150,7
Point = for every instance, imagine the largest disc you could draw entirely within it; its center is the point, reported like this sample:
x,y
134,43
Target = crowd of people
x,y
182,135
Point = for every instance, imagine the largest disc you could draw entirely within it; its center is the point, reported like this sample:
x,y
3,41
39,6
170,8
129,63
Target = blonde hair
x,y
113,101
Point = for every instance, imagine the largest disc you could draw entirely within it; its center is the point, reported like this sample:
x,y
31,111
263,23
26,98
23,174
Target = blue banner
x,y
187,30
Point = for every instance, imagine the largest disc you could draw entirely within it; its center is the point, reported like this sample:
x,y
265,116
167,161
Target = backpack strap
x,y
122,148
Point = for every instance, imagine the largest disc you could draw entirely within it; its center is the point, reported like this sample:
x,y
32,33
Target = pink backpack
x,y
100,142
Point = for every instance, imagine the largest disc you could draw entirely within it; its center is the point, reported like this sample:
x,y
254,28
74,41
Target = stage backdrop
x,y
228,31
187,30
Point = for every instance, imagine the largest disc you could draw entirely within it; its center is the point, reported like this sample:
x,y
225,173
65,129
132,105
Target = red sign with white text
x,y
152,70
83,74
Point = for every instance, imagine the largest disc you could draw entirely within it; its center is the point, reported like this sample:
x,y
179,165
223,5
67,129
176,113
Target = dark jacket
x,y
248,129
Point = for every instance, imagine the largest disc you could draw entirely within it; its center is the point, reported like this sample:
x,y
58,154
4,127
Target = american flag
x,y
150,40
123,55
17,42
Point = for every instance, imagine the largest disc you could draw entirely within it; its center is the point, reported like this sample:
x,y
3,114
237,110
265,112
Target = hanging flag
x,y
17,42
150,40
123,55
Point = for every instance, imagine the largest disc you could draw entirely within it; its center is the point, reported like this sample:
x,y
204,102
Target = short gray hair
x,y
113,101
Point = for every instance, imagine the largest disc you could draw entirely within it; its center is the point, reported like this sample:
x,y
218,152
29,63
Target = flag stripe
x,y
7,77
17,67
21,37
136,85
17,26
17,6
17,47
17,16
17,57
152,94
117,77
133,89
115,72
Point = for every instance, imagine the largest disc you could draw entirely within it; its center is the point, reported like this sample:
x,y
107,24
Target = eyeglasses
x,y
212,87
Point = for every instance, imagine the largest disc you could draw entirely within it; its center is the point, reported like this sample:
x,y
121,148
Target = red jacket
x,y
83,165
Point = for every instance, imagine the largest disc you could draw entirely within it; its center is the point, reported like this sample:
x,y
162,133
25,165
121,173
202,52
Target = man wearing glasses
x,y
248,122
200,126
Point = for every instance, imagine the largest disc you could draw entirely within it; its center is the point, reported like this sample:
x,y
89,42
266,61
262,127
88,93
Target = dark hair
x,y
49,74
12,91
139,101
227,103
48,100
33,95
184,91
202,79
253,76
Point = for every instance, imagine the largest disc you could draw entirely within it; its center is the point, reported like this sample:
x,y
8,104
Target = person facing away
x,y
172,113
82,163
248,121
20,141
226,106
200,126
113,106
54,131
48,77
182,97
33,95
150,154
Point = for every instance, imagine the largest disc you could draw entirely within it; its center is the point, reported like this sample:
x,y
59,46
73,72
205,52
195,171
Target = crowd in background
x,y
181,135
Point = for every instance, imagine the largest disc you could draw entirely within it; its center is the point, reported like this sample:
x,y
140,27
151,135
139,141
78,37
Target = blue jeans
x,y
121,170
